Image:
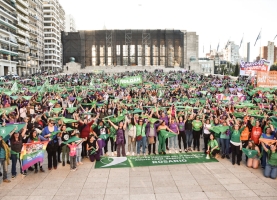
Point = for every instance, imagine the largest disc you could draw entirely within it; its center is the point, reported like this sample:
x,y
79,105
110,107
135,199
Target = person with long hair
x,y
131,130
173,140
271,166
269,134
188,130
207,133
212,146
65,136
162,147
34,137
196,132
16,141
120,136
4,159
236,143
255,161
182,134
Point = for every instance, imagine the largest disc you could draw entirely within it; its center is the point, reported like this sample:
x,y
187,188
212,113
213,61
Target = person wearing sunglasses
x,y
53,145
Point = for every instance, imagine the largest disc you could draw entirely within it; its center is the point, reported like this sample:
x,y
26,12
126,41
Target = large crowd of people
x,y
108,119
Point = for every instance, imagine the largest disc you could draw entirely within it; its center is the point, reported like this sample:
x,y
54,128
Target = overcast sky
x,y
213,20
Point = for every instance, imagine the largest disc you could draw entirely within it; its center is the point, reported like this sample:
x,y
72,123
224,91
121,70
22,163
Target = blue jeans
x,y
264,158
189,137
143,143
14,159
270,171
173,142
225,144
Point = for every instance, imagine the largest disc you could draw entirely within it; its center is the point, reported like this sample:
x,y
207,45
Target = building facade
x,y
70,25
8,42
36,41
54,24
269,52
167,48
246,52
231,53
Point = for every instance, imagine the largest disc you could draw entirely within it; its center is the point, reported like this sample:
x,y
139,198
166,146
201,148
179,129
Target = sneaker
x,y
73,170
160,153
133,153
36,171
164,153
238,163
24,174
13,176
180,150
167,148
128,153
198,149
223,156
112,154
176,151
227,156
41,170
154,153
169,151
6,181
186,150
68,162
63,163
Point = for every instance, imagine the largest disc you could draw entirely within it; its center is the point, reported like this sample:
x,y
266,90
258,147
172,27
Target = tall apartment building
x,y
70,25
246,52
36,40
8,43
269,52
23,37
54,23
231,53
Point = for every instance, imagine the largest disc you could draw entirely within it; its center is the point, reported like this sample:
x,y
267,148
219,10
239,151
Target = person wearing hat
x,y
4,159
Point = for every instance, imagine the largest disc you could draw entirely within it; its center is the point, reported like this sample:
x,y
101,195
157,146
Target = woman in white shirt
x,y
131,137
206,129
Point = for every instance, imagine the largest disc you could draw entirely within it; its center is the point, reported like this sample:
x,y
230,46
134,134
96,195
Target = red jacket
x,y
86,130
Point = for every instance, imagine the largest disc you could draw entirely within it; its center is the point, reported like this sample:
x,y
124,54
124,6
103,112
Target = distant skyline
x,y
215,21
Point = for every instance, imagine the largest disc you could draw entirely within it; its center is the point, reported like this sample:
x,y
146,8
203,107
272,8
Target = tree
x,y
236,72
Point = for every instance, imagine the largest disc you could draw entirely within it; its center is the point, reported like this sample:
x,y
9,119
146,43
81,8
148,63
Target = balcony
x,y
7,41
22,10
7,23
10,14
23,18
33,47
7,51
23,48
9,4
23,3
22,33
23,26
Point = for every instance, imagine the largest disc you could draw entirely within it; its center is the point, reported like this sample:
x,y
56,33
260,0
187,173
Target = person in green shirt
x,y
271,166
236,143
196,132
141,136
213,148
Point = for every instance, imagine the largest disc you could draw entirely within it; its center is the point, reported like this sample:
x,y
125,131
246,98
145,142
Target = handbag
x,y
139,137
151,140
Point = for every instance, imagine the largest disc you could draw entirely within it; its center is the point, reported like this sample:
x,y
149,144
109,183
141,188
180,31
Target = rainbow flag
x,y
32,153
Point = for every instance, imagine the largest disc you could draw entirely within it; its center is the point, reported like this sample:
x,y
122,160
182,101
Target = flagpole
x,y
260,43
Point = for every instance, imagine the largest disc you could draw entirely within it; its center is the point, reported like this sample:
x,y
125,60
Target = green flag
x,y
274,121
117,119
57,110
7,110
72,110
73,139
67,121
28,98
14,88
167,134
6,130
104,136
249,152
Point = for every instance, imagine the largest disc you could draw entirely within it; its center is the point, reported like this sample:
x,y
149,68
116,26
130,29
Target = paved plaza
x,y
220,180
